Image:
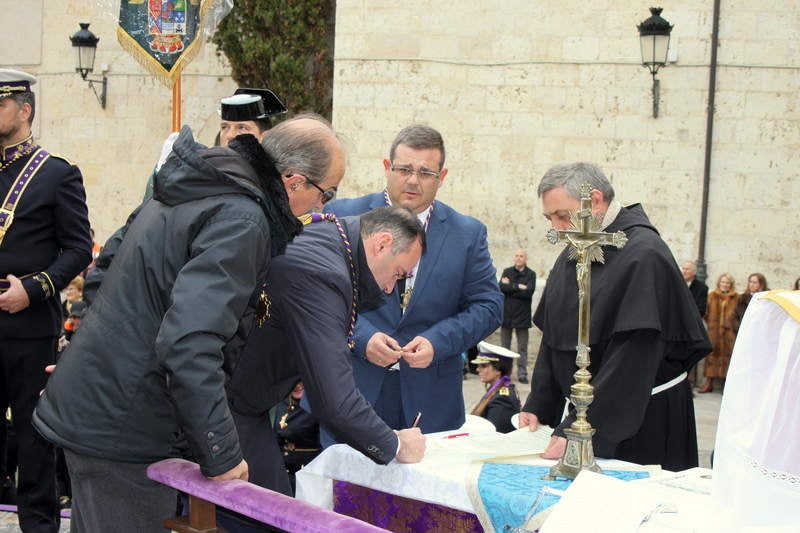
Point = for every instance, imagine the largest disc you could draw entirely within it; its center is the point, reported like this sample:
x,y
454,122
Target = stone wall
x,y
514,86
519,85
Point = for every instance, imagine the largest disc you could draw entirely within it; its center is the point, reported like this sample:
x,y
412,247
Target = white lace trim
x,y
785,477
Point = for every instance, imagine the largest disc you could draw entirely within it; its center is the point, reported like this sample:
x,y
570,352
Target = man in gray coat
x,y
144,377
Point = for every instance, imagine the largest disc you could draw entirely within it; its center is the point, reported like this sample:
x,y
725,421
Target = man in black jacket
x,y
44,244
644,334
699,292
334,270
144,377
698,289
518,283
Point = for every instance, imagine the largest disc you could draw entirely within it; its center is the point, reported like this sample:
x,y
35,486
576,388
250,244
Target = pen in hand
x,y
416,420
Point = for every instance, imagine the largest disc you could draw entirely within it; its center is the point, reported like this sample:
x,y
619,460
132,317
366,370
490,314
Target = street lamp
x,y
85,44
654,39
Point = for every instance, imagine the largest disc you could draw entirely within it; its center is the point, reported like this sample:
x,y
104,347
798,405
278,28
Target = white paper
x,y
600,504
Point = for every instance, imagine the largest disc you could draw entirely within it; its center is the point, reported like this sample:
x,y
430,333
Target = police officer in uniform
x,y
501,401
44,244
297,431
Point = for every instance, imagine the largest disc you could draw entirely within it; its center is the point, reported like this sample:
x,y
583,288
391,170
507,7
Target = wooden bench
x,y
258,503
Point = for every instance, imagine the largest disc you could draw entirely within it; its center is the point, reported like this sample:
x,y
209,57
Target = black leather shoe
x,y
523,380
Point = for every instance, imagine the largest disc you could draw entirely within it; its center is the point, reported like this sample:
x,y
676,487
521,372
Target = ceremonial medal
x,y
406,297
282,422
263,308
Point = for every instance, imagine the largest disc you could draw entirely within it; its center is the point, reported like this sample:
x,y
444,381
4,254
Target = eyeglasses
x,y
407,172
327,195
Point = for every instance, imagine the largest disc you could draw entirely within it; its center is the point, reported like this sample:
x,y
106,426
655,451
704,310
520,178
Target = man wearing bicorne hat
x,y
44,244
248,111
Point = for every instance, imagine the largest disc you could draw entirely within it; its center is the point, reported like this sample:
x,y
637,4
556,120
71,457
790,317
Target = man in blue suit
x,y
407,358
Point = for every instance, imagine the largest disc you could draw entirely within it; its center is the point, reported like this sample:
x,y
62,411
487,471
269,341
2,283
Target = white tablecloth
x,y
443,477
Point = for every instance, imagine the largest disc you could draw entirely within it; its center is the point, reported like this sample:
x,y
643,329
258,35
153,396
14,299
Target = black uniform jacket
x,y
311,298
699,292
644,331
298,434
502,407
517,301
144,374
50,235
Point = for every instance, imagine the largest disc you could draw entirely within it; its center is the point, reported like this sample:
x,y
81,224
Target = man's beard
x,y
9,134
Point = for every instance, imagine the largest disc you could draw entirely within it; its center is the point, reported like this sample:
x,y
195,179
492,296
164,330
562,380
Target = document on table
x,y
488,445
599,503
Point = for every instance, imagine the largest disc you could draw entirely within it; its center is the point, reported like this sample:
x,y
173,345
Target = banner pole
x,y
176,105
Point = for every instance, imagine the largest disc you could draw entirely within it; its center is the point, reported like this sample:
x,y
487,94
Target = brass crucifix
x,y
585,239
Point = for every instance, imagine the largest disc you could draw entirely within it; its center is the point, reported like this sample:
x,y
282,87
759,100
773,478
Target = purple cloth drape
x,y
400,514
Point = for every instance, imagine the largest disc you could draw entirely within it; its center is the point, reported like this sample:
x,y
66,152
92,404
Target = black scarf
x,y
283,225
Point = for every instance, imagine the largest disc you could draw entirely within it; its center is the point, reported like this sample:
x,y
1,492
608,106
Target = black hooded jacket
x,y
145,374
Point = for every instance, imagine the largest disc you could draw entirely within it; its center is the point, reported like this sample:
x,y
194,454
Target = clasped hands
x,y
384,351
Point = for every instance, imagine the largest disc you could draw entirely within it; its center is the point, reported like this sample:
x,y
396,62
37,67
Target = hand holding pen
x,y
412,443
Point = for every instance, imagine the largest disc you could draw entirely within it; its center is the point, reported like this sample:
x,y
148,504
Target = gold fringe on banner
x,y
143,57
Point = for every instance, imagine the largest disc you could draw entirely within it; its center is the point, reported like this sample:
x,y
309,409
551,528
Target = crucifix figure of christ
x,y
585,240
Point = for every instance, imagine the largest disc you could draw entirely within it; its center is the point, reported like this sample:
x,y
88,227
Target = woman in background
x,y
755,283
721,304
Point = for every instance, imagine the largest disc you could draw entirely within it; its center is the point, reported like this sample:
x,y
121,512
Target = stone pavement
x,y
706,412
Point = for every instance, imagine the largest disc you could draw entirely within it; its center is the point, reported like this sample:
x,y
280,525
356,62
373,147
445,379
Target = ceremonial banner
x,y
164,35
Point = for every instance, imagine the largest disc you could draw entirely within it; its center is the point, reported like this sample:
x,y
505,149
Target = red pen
x,y
457,435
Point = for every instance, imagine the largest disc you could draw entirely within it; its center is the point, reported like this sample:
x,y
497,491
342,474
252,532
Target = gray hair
x,y
25,98
400,222
419,137
572,175
302,150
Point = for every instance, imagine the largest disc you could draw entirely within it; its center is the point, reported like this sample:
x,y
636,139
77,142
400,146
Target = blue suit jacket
x,y
456,303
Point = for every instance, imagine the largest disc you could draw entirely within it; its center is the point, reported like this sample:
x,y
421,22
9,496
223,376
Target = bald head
x,y
520,258
689,270
306,145
310,159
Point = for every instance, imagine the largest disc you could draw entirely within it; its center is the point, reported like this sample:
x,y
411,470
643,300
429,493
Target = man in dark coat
x,y
518,283
645,333
333,271
143,378
698,289
699,292
44,244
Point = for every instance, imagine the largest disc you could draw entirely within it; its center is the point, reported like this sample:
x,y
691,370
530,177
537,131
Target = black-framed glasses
x,y
327,195
406,172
